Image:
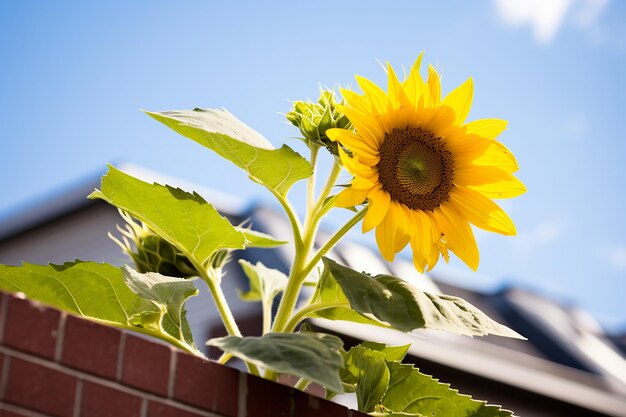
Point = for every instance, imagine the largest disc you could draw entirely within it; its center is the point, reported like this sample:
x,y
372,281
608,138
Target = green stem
x,y
333,241
302,384
330,182
300,270
301,314
310,195
222,306
290,296
212,280
226,356
293,219
319,210
162,335
267,316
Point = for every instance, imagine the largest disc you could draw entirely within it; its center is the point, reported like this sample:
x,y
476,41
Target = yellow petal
x,y
365,183
487,128
367,126
403,234
458,235
460,100
506,188
356,101
378,206
480,175
376,95
414,84
464,145
485,152
443,249
386,233
419,258
434,86
499,156
481,211
397,96
350,197
354,166
353,141
421,242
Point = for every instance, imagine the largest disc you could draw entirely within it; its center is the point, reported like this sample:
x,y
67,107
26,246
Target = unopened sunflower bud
x,y
314,119
151,253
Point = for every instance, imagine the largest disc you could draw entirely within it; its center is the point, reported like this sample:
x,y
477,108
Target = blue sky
x,y
74,74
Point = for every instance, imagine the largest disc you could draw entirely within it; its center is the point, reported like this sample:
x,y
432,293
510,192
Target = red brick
x,y
3,299
42,389
101,401
207,385
163,410
31,327
310,406
146,365
90,347
269,399
7,413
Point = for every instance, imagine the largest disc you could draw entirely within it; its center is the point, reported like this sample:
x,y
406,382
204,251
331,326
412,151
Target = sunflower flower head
x,y
425,172
315,118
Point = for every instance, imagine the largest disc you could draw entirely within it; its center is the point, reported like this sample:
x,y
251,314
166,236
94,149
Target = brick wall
x,y
55,364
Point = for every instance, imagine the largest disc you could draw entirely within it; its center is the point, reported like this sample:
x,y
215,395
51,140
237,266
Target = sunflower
x,y
425,173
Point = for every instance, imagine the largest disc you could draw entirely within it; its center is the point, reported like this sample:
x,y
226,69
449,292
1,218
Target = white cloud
x,y
546,17
617,257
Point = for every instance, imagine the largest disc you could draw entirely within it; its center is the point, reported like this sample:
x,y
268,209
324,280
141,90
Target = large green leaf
x,y
333,303
313,356
220,131
185,220
99,292
168,295
366,370
413,393
265,283
391,353
389,301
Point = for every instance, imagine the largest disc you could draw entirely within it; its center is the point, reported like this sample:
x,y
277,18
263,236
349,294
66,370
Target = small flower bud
x,y
315,118
152,253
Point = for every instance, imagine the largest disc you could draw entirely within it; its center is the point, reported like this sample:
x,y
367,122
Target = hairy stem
x,y
222,305
302,384
267,316
293,219
333,241
226,356
212,279
310,195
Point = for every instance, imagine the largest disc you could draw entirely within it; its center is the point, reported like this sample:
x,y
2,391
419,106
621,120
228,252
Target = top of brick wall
x,y
56,364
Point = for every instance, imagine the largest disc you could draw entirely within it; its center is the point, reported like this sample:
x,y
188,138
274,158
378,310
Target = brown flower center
x,y
415,168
